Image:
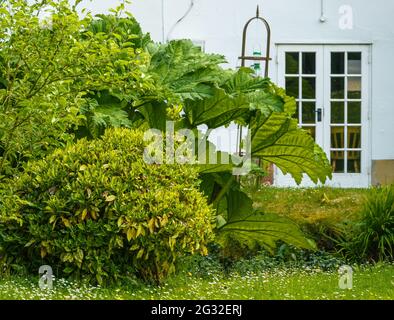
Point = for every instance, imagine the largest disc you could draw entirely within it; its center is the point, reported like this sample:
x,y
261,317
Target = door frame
x,y
323,91
351,180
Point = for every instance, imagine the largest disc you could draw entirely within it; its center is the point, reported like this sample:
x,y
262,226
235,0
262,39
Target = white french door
x,y
331,86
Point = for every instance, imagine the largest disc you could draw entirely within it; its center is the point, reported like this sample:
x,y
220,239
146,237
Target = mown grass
x,y
375,282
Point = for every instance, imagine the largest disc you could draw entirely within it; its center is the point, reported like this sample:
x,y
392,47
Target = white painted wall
x,y
220,23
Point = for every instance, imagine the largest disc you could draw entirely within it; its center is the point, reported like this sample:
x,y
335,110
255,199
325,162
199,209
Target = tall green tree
x,y
50,70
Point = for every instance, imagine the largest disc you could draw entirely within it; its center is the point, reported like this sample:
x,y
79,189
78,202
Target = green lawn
x,y
368,283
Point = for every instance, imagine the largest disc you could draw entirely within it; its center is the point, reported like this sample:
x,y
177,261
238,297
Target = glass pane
x,y
337,137
354,87
295,115
308,63
309,88
354,112
308,112
338,88
311,130
337,161
292,63
337,112
354,63
354,161
292,86
354,137
337,62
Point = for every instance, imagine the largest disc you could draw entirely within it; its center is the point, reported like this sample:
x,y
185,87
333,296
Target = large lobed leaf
x,y
277,139
250,226
266,229
237,217
183,70
239,95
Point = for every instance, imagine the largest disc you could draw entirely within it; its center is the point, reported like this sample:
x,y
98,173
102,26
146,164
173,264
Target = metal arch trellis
x,y
267,58
245,58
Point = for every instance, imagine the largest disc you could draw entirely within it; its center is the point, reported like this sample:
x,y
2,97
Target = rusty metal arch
x,y
267,58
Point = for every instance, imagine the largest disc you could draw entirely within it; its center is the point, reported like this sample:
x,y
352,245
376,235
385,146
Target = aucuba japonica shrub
x,y
95,209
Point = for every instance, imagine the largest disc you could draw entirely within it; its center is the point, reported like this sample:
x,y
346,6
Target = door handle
x,y
319,114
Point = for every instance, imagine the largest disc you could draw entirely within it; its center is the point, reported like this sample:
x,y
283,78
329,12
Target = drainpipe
x,y
191,5
322,17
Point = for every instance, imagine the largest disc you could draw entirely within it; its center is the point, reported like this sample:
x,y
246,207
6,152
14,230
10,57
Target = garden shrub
x,y
324,227
372,237
96,209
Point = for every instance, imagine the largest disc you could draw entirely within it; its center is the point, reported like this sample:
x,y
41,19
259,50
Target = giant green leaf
x,y
278,140
155,114
180,68
233,101
266,229
250,226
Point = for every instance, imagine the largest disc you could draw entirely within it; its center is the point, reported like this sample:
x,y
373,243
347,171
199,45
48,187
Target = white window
x,y
331,86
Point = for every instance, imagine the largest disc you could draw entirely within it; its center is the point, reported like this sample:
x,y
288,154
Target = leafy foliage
x,y
49,72
182,71
102,111
373,236
238,96
288,257
238,221
126,31
193,90
106,73
235,96
96,209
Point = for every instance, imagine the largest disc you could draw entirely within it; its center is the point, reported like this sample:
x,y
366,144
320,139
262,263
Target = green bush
x,y
324,227
96,209
373,237
49,76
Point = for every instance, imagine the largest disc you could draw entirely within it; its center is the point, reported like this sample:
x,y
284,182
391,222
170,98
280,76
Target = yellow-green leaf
x,y
30,243
43,252
66,222
151,225
130,234
140,230
119,242
110,198
84,214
